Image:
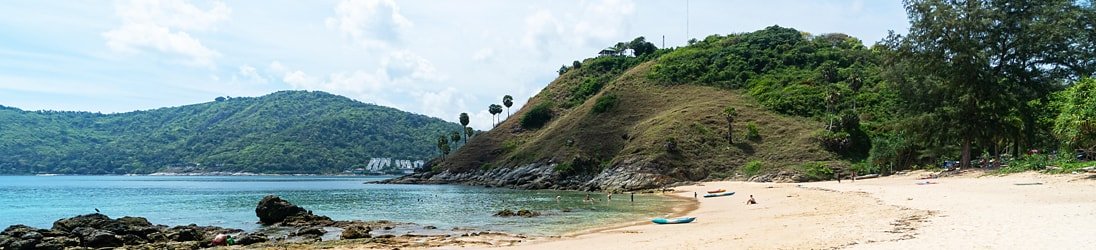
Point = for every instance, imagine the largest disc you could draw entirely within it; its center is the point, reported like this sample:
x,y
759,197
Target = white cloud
x,y
163,25
372,23
483,55
405,65
251,74
595,23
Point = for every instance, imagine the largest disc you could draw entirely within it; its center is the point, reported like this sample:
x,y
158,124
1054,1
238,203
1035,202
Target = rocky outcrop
x,y
274,210
632,174
100,231
522,213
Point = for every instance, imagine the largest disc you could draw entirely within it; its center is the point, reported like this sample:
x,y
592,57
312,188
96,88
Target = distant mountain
x,y
283,132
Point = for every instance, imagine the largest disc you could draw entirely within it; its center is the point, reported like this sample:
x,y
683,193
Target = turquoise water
x,y
229,201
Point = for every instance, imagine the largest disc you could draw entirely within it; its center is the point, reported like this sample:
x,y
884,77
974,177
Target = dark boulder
x,y
87,220
20,244
522,213
356,232
91,237
318,231
273,209
248,239
57,243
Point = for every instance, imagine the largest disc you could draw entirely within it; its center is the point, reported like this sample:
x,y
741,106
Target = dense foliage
x,y
977,73
284,132
537,116
827,77
1076,121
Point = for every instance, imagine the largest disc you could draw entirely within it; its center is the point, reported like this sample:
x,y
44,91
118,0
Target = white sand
x,y
967,212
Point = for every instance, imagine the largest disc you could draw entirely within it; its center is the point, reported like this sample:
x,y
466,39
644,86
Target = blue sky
x,y
437,58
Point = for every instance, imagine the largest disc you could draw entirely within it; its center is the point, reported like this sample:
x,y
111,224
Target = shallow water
x,y
229,201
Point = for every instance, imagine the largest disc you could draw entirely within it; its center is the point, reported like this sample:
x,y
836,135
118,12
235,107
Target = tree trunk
x,y
730,130
965,162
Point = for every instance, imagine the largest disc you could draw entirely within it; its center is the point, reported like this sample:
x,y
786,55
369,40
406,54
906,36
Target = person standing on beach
x,y
633,196
558,198
694,195
837,175
610,196
587,199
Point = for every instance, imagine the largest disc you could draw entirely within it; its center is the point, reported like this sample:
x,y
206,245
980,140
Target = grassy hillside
x,y
665,111
284,132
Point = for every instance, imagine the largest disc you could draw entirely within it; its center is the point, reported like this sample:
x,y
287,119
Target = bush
x,y
752,168
1027,163
604,103
751,131
537,116
816,171
833,141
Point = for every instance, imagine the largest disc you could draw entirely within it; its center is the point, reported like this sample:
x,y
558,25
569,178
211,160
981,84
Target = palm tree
x,y
464,121
494,109
508,101
468,133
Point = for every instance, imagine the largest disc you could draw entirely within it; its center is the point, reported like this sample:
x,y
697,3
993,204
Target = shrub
x,y
752,168
833,141
751,131
604,103
816,171
537,116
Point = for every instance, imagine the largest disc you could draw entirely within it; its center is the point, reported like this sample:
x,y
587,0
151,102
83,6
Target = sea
x,y
229,201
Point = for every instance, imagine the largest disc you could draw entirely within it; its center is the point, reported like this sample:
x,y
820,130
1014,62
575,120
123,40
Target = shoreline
x,y
893,212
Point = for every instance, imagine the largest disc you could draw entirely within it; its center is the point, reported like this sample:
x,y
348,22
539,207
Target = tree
x,y
562,69
1076,122
220,99
468,131
730,113
443,144
576,64
494,109
620,48
454,137
508,101
464,122
968,69
641,47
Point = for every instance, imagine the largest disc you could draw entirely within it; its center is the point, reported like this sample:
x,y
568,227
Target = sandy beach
x,y
970,211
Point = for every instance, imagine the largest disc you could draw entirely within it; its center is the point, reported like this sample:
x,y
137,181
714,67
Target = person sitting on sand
x,y
751,201
587,199
558,198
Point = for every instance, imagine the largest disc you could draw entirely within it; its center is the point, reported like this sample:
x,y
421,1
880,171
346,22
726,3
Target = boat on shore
x,y
718,194
717,191
680,220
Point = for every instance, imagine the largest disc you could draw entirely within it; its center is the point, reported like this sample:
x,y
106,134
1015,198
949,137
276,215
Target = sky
x,y
437,58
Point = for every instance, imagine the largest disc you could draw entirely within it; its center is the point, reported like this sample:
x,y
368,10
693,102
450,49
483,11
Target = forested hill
x,y
283,132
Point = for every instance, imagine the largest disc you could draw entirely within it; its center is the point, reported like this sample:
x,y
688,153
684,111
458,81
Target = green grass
x,y
644,116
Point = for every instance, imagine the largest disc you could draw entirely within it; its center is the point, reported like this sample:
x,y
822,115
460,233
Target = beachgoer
x,y
694,195
854,176
610,196
633,196
751,200
558,198
837,176
220,240
587,199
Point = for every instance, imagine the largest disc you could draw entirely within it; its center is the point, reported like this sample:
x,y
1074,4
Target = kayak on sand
x,y
681,220
717,191
718,195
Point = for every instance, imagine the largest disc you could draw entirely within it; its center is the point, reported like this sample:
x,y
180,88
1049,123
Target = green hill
x,y
634,122
283,132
